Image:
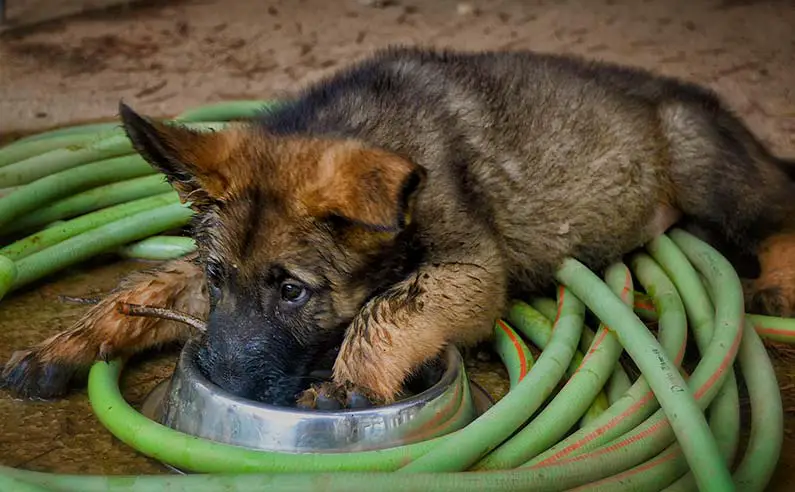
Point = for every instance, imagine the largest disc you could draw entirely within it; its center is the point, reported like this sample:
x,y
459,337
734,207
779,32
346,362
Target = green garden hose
x,y
772,328
466,447
573,399
89,201
8,273
54,235
683,413
100,240
58,185
648,435
515,480
93,130
725,409
638,403
537,327
767,425
514,353
225,111
21,151
158,248
106,137
618,382
61,159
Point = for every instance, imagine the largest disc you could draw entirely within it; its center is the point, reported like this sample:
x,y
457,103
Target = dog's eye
x,y
293,292
213,290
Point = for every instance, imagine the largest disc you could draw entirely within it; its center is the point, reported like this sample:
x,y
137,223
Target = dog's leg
x,y
774,290
725,180
46,370
399,330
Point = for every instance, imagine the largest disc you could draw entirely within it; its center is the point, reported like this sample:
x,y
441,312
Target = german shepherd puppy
x,y
395,207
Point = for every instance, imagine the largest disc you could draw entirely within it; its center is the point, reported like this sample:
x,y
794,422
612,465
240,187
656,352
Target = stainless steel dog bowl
x,y
190,403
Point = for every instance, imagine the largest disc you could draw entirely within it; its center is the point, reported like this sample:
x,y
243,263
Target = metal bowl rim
x,y
190,371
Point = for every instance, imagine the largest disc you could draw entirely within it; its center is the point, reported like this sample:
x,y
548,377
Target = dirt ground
x,y
165,57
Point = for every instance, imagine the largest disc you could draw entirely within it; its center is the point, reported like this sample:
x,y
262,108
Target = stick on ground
x,y
163,313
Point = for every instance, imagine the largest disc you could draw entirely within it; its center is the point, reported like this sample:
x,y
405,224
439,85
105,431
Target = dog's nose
x,y
237,376
222,372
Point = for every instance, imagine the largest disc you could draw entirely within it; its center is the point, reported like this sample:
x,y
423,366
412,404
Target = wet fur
x,y
415,192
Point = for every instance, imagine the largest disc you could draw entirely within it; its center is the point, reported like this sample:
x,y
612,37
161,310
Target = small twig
x,y
80,300
163,313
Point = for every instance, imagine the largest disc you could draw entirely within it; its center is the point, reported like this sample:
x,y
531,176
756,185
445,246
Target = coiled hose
x,y
572,420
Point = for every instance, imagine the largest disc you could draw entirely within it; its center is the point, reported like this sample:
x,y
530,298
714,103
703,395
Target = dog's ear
x,y
196,163
369,187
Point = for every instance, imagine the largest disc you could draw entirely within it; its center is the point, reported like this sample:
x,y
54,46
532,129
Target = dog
x,y
396,206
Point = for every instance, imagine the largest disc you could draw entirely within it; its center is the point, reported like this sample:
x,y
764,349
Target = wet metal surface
x,y
196,406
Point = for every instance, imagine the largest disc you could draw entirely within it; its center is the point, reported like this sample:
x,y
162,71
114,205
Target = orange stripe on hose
x,y
660,460
597,432
594,346
627,286
599,452
725,363
613,422
644,305
518,346
774,331
656,427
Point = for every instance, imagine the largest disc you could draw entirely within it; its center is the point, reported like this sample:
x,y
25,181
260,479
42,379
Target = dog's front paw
x,y
32,374
49,369
335,396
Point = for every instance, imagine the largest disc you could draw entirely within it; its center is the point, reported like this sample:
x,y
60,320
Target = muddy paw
x,y
771,301
27,375
334,396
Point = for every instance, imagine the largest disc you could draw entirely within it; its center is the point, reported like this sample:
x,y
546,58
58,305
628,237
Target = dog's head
x,y
295,234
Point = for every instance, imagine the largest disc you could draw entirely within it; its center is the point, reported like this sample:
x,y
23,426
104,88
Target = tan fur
x,y
342,184
395,333
774,289
103,332
208,155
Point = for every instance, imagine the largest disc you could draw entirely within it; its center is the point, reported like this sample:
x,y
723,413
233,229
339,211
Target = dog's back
x,y
544,156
